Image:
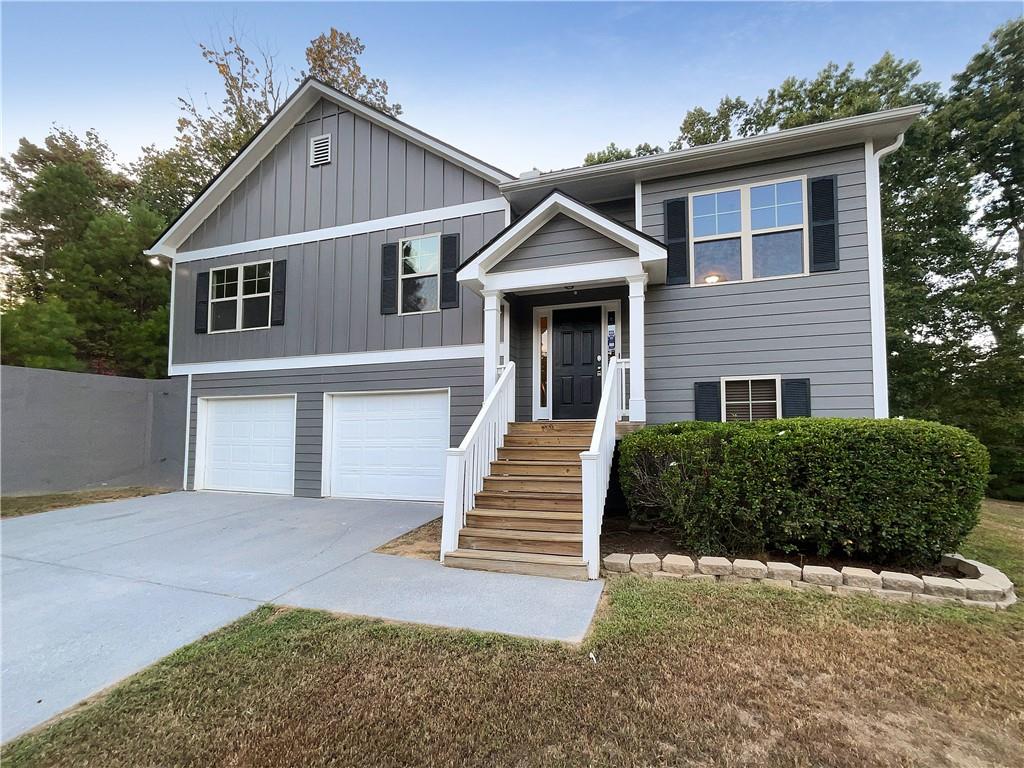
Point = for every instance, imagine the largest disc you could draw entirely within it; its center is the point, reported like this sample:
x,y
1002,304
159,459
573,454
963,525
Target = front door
x,y
576,373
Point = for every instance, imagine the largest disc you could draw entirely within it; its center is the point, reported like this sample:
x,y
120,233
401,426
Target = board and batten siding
x,y
332,302
463,379
372,174
816,326
563,241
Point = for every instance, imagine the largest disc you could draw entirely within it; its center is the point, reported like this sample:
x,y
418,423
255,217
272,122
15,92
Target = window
x,y
420,260
751,399
752,232
244,306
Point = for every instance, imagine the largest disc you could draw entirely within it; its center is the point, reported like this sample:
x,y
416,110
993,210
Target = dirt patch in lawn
x,y
423,543
16,506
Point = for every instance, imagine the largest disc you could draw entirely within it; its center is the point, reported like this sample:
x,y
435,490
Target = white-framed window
x,y
419,260
751,398
240,297
749,232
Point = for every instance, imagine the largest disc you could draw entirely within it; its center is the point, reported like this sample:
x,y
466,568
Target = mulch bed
x,y
618,536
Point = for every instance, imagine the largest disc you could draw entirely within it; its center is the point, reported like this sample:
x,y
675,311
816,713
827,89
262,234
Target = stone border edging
x,y
982,586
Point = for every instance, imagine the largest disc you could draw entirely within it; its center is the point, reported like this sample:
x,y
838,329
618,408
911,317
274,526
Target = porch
x,y
564,290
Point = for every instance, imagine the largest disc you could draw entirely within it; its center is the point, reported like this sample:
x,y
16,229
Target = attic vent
x,y
320,150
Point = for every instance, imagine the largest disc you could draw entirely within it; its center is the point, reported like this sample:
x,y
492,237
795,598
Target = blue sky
x,y
519,85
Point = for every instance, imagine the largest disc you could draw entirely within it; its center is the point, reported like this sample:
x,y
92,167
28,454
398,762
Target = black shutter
x,y
796,397
449,268
202,302
707,401
822,213
277,292
389,279
676,242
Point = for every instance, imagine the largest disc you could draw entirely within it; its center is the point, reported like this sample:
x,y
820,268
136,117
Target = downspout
x,y
876,282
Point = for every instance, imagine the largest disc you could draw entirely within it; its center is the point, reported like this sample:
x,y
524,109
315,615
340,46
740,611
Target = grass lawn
x,y
671,674
16,506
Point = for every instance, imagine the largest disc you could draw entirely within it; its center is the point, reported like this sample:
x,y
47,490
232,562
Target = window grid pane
x,y
776,205
717,213
750,400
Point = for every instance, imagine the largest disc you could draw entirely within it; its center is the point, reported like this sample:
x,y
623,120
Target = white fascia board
x,y
492,205
847,130
541,215
557,277
425,354
276,128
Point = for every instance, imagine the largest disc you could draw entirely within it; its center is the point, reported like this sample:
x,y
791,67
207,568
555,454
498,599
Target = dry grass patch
x,y
423,543
16,506
685,674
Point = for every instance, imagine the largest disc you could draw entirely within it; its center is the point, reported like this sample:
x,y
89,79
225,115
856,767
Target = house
x,y
363,310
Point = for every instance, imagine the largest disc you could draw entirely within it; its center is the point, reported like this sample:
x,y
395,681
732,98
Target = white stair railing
x,y
623,366
468,465
597,467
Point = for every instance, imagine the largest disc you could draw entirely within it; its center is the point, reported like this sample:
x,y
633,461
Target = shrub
x,y
884,490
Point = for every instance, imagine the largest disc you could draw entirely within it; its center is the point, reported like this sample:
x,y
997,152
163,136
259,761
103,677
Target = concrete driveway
x,y
93,594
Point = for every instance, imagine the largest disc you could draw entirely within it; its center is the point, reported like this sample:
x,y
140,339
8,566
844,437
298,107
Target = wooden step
x,y
540,468
533,483
558,566
549,502
539,453
525,520
579,442
573,427
537,542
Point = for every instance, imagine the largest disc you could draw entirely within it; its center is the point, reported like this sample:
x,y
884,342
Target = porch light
x,y
712,279
155,261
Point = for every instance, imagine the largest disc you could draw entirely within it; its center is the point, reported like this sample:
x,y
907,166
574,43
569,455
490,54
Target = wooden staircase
x,y
529,516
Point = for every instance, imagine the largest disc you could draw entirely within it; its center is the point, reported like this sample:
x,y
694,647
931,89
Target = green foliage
x,y
613,152
40,335
889,491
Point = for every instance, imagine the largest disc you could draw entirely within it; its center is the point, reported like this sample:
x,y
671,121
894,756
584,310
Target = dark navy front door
x,y
576,373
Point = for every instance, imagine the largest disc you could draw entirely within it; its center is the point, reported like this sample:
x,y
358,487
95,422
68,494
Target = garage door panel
x,y
250,444
389,445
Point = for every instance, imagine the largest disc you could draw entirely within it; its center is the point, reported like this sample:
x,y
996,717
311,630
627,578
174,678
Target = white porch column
x,y
492,335
637,389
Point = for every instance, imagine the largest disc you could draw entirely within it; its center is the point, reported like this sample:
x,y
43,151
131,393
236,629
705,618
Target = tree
x,y
334,58
612,152
52,193
40,335
210,136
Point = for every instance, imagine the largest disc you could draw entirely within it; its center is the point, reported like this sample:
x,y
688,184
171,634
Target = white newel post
x,y
492,336
637,390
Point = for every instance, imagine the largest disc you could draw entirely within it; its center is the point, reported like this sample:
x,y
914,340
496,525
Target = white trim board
x,y
491,205
424,354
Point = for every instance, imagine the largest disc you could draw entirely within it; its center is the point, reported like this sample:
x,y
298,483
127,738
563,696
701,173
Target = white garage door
x,y
387,445
249,444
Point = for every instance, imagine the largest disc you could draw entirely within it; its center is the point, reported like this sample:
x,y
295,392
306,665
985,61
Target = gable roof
x,y
309,92
651,252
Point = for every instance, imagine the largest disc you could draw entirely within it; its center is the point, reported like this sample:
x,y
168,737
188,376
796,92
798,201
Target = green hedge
x,y
885,490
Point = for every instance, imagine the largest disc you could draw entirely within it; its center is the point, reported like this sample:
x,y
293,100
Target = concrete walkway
x,y
92,594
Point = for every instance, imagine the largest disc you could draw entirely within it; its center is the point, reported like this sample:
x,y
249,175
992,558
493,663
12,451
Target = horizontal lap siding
x,y
372,174
333,300
561,242
815,327
464,378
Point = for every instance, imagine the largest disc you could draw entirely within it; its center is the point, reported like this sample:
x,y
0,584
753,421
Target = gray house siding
x,y
521,334
623,211
332,300
816,326
372,174
464,379
560,242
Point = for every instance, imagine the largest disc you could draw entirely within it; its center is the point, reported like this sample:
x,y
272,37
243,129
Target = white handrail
x,y
597,467
468,465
